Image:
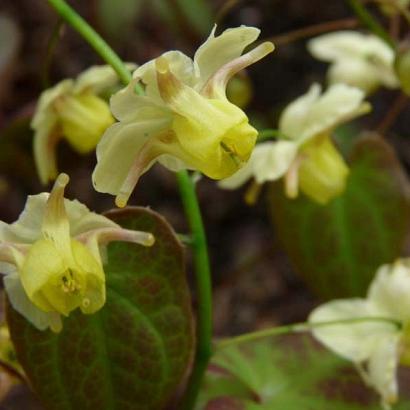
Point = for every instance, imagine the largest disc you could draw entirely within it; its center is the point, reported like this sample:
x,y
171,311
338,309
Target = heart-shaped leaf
x,y
132,354
290,372
337,248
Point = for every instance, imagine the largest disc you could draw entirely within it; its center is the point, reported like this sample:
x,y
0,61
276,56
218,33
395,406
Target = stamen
x,y
70,285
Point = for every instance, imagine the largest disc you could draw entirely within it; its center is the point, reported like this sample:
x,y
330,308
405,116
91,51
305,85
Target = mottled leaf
x,y
132,354
338,247
294,373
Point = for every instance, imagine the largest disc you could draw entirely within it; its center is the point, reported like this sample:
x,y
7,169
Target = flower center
x,y
69,283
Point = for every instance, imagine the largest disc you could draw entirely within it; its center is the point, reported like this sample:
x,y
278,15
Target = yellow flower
x,y
184,120
75,110
360,60
306,156
376,347
52,259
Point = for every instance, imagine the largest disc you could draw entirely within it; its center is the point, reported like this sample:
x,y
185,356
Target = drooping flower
x,y
376,347
359,60
74,110
184,120
51,257
305,155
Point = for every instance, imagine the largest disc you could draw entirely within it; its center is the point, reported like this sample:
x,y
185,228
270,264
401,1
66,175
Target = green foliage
x,y
337,248
118,17
186,15
134,352
292,372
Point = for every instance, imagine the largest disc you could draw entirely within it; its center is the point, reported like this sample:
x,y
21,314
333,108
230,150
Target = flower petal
x,y
45,140
216,85
93,297
27,229
354,341
273,159
42,263
44,107
323,172
82,220
218,51
311,115
96,238
382,369
350,44
98,78
356,55
56,226
22,304
126,105
180,65
118,150
293,120
356,73
269,161
390,289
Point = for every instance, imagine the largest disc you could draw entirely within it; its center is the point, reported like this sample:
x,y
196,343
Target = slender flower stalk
x,y
202,269
369,21
299,327
203,287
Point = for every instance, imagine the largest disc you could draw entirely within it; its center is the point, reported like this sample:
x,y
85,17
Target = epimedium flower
x,y
184,120
304,155
357,59
52,257
74,110
376,347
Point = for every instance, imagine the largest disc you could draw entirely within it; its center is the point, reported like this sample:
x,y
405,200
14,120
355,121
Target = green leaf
x,y
337,248
133,353
292,372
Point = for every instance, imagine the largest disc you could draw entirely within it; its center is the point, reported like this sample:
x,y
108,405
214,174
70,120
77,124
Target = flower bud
x,y
323,172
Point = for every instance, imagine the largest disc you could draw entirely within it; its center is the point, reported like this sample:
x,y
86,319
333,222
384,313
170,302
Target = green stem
x,y
298,327
95,40
370,22
203,286
189,199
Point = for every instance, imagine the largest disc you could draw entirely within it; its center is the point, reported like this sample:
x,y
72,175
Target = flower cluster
x,y
360,60
52,257
74,110
378,345
305,154
184,119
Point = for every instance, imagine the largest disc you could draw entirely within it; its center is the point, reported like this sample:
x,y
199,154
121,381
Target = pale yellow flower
x,y
306,156
184,120
74,110
359,60
376,347
51,257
